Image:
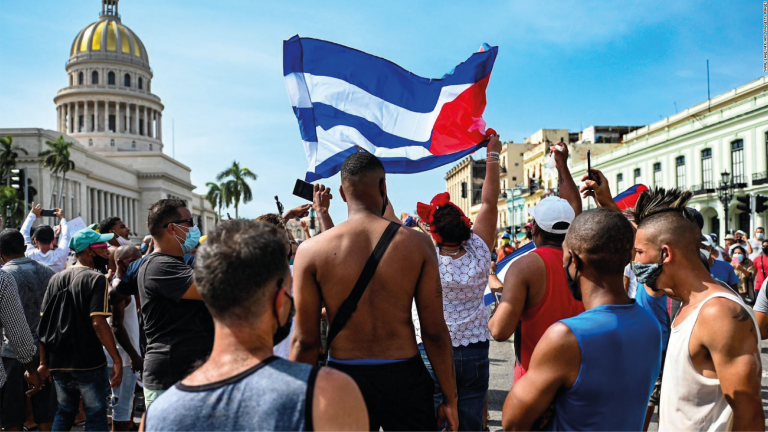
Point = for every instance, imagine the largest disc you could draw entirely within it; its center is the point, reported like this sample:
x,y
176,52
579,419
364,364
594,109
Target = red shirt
x,y
760,270
557,303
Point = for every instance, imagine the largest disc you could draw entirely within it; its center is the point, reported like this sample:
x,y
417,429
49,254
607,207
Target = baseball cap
x,y
505,235
707,241
86,237
714,236
551,211
741,232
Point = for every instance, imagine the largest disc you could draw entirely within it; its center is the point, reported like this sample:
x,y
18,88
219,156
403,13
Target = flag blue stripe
x,y
327,117
378,76
398,165
306,124
521,251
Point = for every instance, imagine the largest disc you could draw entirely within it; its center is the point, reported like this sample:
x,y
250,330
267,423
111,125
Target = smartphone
x,y
589,164
47,213
304,190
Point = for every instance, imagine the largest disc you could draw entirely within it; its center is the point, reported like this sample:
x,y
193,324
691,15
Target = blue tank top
x,y
620,360
657,306
275,395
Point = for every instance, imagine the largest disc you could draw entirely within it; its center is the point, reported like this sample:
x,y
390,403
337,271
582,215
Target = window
x,y
141,127
127,80
737,161
94,77
90,143
150,146
680,167
514,178
706,169
112,121
112,142
638,177
80,79
619,182
517,163
141,83
657,174
111,78
72,79
80,121
133,144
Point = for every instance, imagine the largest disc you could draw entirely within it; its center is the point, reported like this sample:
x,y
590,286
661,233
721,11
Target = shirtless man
x,y
377,347
712,371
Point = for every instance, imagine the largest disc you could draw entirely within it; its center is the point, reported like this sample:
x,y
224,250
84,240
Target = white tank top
x,y
690,401
131,324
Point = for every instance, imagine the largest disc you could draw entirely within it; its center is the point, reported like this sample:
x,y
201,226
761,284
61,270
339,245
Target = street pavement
x,y
502,356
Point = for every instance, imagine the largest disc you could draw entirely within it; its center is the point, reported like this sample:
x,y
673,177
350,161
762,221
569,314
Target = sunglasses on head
x,y
190,221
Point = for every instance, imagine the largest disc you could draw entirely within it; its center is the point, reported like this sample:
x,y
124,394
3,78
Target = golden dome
x,y
109,39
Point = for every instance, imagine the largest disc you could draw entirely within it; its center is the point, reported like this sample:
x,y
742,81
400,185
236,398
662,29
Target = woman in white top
x,y
464,255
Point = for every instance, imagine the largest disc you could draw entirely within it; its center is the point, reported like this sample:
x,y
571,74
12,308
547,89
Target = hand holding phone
x,y
303,189
48,212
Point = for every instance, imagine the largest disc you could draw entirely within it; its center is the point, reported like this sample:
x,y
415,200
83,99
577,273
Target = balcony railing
x,y
503,170
740,181
705,188
502,194
759,178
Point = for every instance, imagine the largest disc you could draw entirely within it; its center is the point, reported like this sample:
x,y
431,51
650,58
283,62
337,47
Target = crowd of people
x,y
375,324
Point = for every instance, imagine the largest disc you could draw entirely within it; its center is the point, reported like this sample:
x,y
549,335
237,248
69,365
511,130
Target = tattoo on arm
x,y
742,315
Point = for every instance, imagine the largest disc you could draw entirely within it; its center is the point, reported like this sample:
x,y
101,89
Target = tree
x,y
9,155
214,196
57,159
237,184
11,206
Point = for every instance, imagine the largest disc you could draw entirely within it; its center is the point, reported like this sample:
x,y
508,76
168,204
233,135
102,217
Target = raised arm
x,y
599,189
321,203
65,234
554,365
568,189
485,223
726,330
434,333
514,296
305,345
26,227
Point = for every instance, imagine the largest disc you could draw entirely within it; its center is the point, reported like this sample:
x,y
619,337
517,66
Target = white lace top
x,y
464,280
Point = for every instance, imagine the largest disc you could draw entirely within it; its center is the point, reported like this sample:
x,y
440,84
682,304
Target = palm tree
x,y
11,205
8,156
57,159
214,197
237,184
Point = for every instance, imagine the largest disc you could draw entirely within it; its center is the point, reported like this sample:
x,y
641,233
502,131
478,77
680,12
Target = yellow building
x,y
458,183
540,181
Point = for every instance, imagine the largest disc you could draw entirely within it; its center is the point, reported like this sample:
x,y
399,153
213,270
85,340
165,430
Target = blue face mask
x,y
648,274
193,238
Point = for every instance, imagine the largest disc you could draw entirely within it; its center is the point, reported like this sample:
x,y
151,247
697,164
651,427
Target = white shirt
x,y
690,401
463,280
56,259
632,291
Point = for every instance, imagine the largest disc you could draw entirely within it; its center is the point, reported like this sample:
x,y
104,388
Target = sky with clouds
x,y
218,68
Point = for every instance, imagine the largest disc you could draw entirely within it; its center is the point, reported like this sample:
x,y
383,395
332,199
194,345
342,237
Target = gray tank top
x,y
275,395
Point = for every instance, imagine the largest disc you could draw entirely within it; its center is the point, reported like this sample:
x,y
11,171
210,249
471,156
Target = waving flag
x,y
346,101
628,198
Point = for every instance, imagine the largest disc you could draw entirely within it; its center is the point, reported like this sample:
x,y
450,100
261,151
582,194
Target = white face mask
x,y
121,241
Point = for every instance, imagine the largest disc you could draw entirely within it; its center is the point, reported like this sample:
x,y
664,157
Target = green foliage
x,y
235,188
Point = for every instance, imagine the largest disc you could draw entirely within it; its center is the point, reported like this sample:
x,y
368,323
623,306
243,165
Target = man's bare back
x,y
381,327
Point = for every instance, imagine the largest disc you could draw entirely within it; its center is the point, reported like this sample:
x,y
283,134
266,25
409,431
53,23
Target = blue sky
x,y
218,70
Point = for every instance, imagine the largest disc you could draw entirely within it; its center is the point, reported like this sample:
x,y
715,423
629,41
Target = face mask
x,y
648,274
290,261
144,249
193,238
121,241
705,252
765,251
760,235
100,263
283,329
739,257
573,285
505,242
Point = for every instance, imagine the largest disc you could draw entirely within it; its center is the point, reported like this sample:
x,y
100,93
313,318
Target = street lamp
x,y
725,194
312,221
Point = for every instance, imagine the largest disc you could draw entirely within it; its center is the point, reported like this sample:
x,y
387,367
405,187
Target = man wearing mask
x,y
77,362
753,244
178,326
243,276
43,249
712,370
505,248
598,368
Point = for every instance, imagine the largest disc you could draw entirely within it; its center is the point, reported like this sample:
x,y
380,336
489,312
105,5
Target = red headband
x,y
427,214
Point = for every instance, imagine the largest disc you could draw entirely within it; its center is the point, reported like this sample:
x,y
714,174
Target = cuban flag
x,y
347,101
628,198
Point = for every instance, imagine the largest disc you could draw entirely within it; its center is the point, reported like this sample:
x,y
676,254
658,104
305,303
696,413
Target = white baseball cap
x,y
706,240
550,211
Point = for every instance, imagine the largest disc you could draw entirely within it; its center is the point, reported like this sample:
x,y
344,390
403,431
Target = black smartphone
x,y
589,164
47,213
304,190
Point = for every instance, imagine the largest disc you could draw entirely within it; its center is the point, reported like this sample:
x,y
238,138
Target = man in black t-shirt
x,y
179,328
77,363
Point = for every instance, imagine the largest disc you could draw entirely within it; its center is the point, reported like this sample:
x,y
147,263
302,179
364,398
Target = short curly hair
x,y
448,225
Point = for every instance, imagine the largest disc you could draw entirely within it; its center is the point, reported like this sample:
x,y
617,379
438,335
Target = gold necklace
x,y
451,252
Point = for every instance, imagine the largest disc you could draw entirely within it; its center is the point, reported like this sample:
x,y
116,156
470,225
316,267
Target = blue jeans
x,y
93,386
472,375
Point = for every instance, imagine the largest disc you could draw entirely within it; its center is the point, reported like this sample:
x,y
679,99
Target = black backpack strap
x,y
350,304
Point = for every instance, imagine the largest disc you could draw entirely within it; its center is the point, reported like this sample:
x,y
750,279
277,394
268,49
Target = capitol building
x,y
109,111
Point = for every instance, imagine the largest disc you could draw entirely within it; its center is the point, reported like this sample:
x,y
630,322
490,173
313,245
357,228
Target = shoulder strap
x,y
350,304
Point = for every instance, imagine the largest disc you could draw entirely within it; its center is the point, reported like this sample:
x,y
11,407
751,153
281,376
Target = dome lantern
x,y
109,7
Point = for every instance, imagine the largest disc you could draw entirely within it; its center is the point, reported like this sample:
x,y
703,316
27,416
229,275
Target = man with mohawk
x,y
712,370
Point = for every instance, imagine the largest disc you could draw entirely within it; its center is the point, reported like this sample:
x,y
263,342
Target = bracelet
x,y
492,274
491,161
493,154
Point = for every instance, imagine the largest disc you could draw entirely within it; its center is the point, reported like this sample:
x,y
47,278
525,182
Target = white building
x,y
690,150
110,112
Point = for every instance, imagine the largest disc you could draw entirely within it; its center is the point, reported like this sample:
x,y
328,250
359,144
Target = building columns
x,y
117,117
77,117
136,120
159,126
